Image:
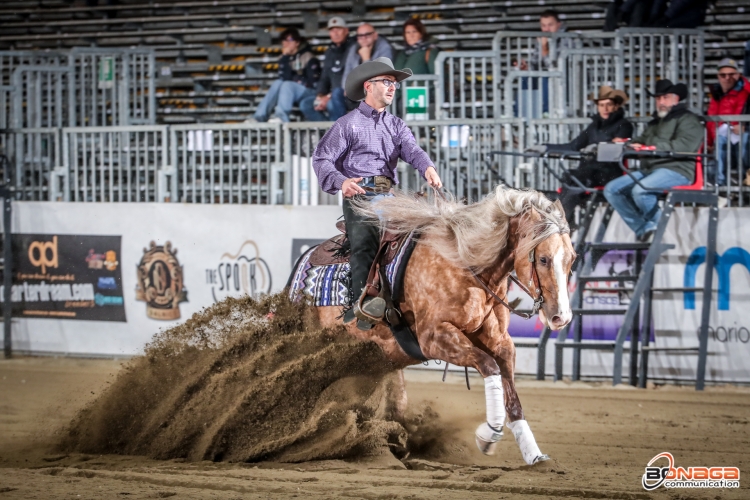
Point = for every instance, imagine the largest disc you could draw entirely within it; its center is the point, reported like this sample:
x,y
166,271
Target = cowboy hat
x,y
607,92
664,87
355,81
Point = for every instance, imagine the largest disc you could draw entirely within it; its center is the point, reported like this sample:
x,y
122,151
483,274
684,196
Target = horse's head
x,y
543,259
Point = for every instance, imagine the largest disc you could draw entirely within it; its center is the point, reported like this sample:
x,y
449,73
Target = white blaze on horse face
x,y
563,302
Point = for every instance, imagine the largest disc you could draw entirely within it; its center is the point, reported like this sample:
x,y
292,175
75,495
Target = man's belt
x,y
376,184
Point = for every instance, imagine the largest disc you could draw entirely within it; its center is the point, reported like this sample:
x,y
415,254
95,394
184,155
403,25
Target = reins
x,y
538,300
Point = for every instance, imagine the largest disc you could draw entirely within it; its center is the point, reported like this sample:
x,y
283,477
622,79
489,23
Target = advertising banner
x,y
175,259
64,276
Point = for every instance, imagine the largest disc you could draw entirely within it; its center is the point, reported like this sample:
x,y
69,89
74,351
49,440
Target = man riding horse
x,y
358,156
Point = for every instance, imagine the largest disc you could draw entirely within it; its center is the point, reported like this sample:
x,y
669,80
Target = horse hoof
x,y
540,458
486,447
487,438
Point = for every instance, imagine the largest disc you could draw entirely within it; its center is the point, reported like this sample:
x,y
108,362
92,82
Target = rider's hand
x,y
620,140
349,188
636,145
433,178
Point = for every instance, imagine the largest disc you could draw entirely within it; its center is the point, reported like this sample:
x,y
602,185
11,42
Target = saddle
x,y
336,250
388,267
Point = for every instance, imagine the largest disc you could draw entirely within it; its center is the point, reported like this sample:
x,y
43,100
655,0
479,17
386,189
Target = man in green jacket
x,y
674,128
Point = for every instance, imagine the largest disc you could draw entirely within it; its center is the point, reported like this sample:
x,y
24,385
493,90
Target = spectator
x,y
674,128
299,71
419,51
542,60
728,97
609,123
330,92
369,46
633,13
681,14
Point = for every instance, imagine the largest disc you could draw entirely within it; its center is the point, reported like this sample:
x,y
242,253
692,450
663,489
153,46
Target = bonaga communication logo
x,y
671,476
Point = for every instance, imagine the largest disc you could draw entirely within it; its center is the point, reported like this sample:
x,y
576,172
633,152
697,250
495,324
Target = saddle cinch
x,y
387,268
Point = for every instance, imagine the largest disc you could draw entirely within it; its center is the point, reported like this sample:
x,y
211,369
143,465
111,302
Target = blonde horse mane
x,y
470,235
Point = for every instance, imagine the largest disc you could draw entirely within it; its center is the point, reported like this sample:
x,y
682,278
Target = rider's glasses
x,y
388,83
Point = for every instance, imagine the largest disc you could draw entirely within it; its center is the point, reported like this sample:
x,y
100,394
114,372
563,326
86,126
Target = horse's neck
x,y
498,272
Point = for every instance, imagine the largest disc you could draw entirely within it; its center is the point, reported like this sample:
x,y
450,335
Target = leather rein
x,y
538,300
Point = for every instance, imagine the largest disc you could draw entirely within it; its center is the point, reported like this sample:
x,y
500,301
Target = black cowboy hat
x,y
664,87
355,80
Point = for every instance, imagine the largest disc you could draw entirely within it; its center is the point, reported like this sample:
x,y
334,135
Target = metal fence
x,y
272,163
465,88
80,87
649,55
113,164
225,164
576,64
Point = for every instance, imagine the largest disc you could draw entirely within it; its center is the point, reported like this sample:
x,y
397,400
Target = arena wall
x,y
235,249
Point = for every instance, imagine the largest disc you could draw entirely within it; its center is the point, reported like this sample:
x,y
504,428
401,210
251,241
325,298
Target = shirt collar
x,y
368,110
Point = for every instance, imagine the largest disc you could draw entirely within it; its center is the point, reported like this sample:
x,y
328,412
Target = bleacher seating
x,y
215,59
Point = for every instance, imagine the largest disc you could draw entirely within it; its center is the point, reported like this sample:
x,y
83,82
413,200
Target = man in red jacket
x,y
729,97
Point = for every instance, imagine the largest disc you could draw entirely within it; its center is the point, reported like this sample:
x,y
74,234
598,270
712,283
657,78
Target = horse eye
x,y
543,260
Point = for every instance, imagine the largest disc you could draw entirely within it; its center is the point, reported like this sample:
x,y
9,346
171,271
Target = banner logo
x,y
160,283
44,254
724,263
242,273
63,277
688,477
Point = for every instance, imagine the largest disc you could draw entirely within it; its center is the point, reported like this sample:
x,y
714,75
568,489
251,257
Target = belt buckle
x,y
382,183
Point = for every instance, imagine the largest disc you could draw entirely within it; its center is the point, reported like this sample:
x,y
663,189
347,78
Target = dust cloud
x,y
248,380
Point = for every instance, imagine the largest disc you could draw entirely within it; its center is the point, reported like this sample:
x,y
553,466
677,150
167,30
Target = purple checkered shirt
x,y
364,143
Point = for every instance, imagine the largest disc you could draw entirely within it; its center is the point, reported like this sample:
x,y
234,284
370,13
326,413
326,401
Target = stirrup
x,y
370,310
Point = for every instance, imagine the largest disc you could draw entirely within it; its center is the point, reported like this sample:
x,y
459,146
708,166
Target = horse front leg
x,y
497,340
450,344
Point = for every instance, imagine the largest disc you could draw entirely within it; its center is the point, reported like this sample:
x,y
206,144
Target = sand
x,y
600,439
237,403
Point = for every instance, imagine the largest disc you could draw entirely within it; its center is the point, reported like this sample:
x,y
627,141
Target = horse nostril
x,y
556,320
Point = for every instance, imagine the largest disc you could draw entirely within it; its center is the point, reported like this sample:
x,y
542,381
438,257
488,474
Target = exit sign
x,y
416,103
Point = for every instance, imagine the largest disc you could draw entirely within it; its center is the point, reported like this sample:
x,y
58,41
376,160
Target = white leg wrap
x,y
490,432
526,442
493,395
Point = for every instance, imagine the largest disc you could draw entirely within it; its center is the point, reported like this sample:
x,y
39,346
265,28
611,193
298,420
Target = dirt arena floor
x,y
600,439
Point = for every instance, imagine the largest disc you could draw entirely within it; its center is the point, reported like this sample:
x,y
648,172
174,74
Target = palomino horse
x,y
463,257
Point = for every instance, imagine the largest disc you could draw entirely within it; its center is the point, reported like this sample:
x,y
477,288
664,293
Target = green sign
x,y
416,103
106,72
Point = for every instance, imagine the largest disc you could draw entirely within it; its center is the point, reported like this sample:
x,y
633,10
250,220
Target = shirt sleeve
x,y
331,147
411,153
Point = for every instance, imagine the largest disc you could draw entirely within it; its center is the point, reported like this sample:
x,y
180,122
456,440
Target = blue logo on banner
x,y
724,263
107,283
106,300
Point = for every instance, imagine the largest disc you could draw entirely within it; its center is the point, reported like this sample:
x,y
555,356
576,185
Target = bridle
x,y
538,300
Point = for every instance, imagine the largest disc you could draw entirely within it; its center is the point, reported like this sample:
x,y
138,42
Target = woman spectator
x,y
607,124
299,72
419,51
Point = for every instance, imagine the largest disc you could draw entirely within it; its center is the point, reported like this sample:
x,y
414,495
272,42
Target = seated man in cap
x,y
358,156
330,91
728,97
674,128
607,124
